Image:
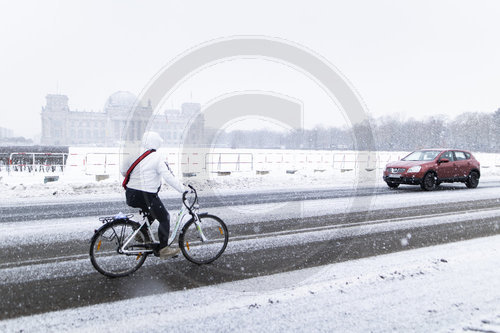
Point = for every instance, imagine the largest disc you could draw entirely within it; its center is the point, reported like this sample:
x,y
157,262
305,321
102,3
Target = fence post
x,y
10,162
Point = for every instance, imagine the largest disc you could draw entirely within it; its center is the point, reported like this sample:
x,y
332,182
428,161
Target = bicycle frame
x,y
184,211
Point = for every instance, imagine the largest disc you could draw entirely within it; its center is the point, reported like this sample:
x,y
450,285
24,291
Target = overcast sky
x,y
414,59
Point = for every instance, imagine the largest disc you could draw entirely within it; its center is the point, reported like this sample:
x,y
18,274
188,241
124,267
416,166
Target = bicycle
x,y
121,245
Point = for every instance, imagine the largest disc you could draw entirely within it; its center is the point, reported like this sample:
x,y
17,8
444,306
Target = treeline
x,y
472,131
15,141
317,138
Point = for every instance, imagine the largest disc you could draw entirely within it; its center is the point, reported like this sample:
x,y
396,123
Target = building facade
x,y
6,133
62,126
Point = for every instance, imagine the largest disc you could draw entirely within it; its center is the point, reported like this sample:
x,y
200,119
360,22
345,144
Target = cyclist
x,y
143,179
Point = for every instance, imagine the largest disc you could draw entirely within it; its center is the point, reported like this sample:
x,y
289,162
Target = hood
x,y
151,140
406,164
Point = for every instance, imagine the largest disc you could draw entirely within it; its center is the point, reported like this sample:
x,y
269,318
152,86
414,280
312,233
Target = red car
x,y
431,167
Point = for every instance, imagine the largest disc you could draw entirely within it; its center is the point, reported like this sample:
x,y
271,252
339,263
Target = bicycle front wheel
x,y
203,241
105,249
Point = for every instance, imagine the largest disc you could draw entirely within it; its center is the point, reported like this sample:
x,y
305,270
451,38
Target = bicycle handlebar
x,y
184,199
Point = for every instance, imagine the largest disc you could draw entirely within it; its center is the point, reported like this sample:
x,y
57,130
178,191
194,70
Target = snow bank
x,y
31,185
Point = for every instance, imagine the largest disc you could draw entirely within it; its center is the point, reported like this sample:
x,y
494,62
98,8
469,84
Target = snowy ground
x,y
446,288
29,188
31,185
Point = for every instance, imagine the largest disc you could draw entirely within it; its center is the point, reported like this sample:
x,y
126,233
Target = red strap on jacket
x,y
132,167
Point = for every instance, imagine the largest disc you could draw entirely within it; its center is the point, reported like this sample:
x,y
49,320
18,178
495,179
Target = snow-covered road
x,y
44,264
446,288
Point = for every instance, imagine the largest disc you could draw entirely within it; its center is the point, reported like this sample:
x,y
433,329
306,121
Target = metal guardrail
x,y
36,162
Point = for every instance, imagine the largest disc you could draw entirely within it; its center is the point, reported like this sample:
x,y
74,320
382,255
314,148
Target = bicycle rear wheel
x,y
203,242
105,253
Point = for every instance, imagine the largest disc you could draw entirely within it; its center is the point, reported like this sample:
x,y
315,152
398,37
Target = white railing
x,y
229,162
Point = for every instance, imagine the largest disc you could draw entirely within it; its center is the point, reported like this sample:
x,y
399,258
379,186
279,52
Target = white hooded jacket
x,y
147,175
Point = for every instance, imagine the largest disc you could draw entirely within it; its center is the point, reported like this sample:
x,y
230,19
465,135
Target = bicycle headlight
x,y
414,169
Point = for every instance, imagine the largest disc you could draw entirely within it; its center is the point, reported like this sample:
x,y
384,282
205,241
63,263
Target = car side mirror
x,y
444,160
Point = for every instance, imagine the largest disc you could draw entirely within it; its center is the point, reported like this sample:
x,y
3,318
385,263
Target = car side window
x,y
467,155
429,156
460,155
448,155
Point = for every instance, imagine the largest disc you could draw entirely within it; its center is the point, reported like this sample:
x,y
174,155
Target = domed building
x,y
120,99
117,108
62,126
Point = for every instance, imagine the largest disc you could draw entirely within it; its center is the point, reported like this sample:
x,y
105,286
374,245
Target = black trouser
x,y
151,202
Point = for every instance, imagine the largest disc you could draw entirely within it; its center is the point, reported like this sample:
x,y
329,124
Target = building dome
x,y
120,99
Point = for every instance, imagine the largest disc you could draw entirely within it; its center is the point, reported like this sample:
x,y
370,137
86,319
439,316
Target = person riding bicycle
x,y
143,179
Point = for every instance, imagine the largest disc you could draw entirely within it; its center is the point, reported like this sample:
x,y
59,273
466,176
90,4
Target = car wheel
x,y
472,180
392,185
429,182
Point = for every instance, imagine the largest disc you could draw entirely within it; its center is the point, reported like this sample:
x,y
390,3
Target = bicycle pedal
x,y
156,249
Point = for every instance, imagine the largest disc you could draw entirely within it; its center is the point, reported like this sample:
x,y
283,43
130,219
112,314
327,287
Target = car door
x,y
462,164
446,170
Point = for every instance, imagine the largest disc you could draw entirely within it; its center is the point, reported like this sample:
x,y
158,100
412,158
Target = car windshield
x,y
422,155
